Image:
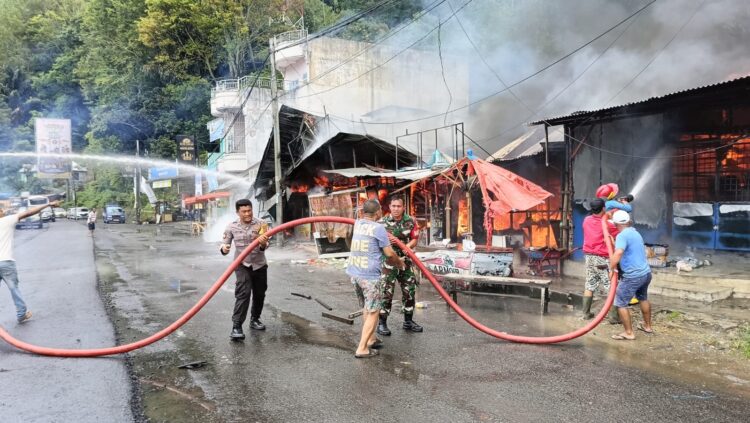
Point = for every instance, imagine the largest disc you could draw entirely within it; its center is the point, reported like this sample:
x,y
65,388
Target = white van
x,y
78,213
36,200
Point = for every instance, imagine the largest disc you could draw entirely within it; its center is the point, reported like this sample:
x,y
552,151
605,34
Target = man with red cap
x,y
596,253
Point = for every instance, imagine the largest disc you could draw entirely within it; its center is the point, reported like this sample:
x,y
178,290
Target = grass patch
x,y
742,344
674,315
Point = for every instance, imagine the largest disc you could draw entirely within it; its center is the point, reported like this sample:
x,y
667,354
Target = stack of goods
x,y
656,254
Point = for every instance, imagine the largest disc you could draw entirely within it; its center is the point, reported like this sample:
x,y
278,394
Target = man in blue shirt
x,y
369,243
630,254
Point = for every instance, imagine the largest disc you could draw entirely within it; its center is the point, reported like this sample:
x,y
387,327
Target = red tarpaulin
x,y
207,197
502,190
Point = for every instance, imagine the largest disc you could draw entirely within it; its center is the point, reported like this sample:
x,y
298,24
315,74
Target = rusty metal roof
x,y
645,103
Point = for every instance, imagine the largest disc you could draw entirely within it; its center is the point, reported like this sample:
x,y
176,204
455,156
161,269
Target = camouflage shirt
x,y
405,230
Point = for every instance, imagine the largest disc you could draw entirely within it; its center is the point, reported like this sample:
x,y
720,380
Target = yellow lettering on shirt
x,y
359,261
368,230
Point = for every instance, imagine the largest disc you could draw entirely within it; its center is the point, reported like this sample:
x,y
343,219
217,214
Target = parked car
x,y
113,214
34,221
76,213
47,215
59,212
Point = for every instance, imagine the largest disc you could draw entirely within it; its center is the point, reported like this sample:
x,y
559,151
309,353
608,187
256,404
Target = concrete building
x,y
351,84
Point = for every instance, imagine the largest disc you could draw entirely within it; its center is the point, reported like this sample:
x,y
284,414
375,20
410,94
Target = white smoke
x,y
518,38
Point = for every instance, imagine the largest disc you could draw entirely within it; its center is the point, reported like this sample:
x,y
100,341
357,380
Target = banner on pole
x,y
52,137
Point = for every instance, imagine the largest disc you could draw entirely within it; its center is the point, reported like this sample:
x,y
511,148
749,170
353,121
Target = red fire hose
x,y
61,352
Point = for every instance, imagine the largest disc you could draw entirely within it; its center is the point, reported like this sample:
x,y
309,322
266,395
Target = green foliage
x,y
742,344
674,315
127,70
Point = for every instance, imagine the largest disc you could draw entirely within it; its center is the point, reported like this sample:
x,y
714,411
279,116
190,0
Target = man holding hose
x,y
252,274
370,244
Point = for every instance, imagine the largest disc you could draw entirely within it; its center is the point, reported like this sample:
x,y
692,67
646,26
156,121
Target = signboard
x,y
333,239
52,137
186,152
157,173
166,183
493,263
215,129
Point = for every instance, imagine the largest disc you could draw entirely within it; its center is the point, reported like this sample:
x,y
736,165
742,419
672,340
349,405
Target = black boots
x,y
237,334
587,314
383,326
410,324
257,325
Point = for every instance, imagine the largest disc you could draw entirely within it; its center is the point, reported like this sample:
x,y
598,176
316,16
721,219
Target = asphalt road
x,y
302,368
59,284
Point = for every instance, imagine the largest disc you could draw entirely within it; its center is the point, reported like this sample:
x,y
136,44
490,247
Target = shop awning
x,y
504,191
207,197
410,175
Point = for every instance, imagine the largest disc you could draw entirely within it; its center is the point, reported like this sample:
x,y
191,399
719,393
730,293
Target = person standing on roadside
x,y
369,244
8,270
404,228
91,221
596,254
252,274
630,254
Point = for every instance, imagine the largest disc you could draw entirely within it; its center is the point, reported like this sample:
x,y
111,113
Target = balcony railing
x,y
290,36
237,84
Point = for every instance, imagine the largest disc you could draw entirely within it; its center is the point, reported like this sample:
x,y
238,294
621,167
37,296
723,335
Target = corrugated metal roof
x,y
640,102
528,144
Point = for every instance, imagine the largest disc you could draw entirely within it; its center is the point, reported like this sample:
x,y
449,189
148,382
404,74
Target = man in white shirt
x,y
91,221
8,271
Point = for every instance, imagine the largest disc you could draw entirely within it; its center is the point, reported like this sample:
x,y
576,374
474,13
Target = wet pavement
x,y
302,367
59,284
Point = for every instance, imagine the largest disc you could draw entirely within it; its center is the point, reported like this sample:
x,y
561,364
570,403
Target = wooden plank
x,y
494,279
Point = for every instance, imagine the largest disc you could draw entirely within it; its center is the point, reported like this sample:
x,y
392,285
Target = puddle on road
x,y
312,333
170,393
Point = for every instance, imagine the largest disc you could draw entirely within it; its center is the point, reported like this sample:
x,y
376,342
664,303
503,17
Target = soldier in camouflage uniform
x,y
403,227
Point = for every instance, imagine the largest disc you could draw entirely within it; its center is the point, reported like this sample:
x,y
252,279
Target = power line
x,y
370,46
386,62
651,61
335,27
567,55
326,31
499,78
658,53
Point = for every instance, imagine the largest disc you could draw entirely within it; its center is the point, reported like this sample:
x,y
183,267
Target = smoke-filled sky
x,y
517,38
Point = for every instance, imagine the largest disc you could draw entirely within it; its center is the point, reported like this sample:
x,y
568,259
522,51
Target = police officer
x,y
403,227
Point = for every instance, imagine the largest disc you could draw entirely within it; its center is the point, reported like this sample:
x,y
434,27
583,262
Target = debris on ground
x,y
193,365
329,308
338,318
336,263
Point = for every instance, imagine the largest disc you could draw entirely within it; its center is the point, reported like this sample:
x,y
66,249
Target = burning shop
x,y
464,207
685,157
537,157
314,178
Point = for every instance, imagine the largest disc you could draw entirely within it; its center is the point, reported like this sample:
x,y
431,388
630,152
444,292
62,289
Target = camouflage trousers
x,y
408,283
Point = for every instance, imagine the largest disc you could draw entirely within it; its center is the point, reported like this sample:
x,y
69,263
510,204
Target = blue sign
x,y
215,129
157,173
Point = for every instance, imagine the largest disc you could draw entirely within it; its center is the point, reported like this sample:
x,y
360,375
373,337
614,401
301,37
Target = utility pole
x,y
137,182
276,142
